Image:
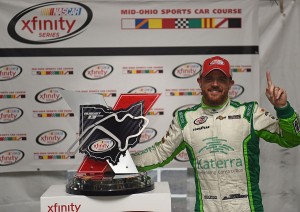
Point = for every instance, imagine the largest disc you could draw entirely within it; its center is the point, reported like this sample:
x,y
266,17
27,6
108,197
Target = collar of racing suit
x,y
210,110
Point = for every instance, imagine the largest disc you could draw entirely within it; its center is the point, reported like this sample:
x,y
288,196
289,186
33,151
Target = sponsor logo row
x,y
52,94
56,136
100,71
53,137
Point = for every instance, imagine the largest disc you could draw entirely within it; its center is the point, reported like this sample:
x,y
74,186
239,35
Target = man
x,y
221,138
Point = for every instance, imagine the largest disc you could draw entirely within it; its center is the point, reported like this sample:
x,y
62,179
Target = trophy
x,y
105,136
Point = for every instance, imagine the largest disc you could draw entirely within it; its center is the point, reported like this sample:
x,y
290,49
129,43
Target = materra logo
x,y
9,72
49,95
98,71
214,145
51,137
187,70
220,164
10,157
56,207
10,114
50,22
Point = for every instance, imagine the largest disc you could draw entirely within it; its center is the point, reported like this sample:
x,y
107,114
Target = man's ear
x,y
231,83
199,80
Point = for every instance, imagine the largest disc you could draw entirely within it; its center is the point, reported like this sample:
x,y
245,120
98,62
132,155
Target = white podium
x,y
55,199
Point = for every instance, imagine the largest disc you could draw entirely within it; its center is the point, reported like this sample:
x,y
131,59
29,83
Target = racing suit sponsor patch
x,y
268,114
234,117
210,197
235,196
200,120
201,128
296,125
221,117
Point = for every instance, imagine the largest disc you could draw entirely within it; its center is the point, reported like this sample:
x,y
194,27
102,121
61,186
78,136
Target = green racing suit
x,y
223,149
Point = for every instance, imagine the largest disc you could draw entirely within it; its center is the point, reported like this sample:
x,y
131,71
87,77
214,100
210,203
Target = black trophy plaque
x,y
108,184
105,136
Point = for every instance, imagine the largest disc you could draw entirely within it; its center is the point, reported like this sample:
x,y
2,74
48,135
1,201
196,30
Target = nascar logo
x,y
50,22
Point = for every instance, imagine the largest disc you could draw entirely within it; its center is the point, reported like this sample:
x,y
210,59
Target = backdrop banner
x,y
111,48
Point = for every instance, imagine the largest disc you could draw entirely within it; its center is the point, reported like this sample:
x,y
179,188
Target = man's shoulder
x,y
246,109
237,104
190,108
181,114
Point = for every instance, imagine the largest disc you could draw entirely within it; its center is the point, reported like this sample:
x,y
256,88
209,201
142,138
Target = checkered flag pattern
x,y
182,23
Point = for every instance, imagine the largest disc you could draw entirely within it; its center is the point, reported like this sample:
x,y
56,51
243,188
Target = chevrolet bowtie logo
x,y
221,117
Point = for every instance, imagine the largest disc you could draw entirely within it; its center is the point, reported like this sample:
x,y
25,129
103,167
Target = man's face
x,y
215,87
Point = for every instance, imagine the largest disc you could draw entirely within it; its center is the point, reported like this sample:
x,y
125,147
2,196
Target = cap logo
x,y
217,62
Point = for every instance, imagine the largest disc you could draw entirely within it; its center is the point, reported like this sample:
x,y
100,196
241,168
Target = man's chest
x,y
217,133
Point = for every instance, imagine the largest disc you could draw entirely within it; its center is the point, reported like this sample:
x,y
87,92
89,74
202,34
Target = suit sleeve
x,y
162,152
283,130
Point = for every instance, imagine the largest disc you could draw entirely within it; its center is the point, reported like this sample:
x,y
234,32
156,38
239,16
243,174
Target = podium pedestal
x,y
55,199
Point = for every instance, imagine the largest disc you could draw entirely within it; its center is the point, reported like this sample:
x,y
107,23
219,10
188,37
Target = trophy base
x,y
109,184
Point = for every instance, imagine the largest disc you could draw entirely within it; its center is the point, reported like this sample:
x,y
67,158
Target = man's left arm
x,y
283,130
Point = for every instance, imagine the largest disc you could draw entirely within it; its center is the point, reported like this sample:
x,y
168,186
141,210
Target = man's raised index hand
x,y
276,95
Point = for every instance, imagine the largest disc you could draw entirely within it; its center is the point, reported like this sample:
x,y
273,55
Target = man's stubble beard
x,y
214,101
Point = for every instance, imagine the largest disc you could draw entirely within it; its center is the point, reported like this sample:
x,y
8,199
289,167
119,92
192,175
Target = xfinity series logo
x,y
200,120
9,72
187,70
10,114
98,71
143,89
102,145
182,156
51,137
147,135
10,157
50,22
49,95
235,91
56,207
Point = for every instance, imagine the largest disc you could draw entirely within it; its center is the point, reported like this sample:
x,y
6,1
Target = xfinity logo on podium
x,y
64,208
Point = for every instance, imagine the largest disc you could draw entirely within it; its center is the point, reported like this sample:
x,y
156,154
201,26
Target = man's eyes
x,y
223,79
208,79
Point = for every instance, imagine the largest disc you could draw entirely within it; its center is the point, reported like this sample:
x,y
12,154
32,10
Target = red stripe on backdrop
x,y
168,23
222,22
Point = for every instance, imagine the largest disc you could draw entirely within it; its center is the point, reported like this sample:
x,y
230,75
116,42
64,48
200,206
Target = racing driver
x,y
221,138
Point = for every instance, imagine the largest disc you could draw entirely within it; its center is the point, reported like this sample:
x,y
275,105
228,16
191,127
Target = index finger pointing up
x,y
269,81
